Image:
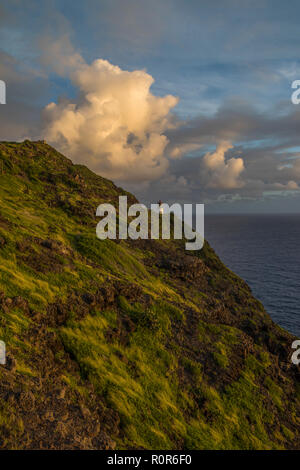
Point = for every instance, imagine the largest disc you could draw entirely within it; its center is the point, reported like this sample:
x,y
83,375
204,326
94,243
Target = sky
x,y
180,100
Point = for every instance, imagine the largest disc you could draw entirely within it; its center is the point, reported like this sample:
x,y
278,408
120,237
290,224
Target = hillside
x,y
126,345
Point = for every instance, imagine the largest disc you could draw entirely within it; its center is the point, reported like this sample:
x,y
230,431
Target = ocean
x,y
265,251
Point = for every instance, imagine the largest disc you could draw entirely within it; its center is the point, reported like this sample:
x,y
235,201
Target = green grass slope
x,y
126,344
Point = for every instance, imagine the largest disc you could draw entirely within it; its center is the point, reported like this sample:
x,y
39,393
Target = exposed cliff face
x,y
126,344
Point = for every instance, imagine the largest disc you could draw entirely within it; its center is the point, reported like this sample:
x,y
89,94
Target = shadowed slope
x,y
126,344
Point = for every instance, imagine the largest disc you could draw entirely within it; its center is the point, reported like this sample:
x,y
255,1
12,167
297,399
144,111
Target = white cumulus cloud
x,y
221,173
116,126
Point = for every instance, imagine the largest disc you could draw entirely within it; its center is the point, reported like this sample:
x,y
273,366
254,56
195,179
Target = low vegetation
x,y
126,344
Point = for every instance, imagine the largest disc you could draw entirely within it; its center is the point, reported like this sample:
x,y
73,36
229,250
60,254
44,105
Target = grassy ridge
x,y
130,344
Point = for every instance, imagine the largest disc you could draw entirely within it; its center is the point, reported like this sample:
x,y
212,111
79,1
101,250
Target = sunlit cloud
x,y
116,126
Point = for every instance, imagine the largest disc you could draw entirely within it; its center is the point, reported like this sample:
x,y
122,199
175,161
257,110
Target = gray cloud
x,y
261,143
215,49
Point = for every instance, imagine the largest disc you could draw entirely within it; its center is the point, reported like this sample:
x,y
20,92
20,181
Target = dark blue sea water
x,y
265,251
